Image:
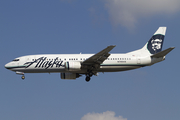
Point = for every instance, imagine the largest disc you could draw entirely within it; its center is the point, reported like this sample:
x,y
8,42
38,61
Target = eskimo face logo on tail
x,y
155,44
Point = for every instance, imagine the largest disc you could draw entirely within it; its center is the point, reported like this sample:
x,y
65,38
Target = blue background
x,y
67,27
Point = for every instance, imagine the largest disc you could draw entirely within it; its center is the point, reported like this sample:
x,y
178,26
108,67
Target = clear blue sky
x,y
74,26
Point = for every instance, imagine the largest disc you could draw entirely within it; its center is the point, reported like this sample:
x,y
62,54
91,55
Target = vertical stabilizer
x,y
155,44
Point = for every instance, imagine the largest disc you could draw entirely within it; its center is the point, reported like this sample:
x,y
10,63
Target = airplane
x,y
72,66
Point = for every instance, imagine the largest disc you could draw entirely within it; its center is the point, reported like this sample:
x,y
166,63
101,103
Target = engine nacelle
x,y
69,75
72,66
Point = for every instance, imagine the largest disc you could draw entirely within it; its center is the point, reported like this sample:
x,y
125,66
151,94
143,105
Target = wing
x,y
99,57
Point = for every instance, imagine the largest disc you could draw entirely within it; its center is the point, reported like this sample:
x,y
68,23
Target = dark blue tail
x,y
156,42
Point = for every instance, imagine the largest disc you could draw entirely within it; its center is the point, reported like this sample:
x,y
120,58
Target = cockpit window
x,y
16,60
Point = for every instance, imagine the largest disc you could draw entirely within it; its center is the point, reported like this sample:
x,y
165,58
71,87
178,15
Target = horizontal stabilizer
x,y
163,53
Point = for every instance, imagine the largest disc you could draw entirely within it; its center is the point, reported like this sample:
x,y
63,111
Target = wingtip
x,y
172,48
112,46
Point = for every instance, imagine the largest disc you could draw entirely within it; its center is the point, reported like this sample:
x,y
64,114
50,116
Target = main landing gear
x,y
88,76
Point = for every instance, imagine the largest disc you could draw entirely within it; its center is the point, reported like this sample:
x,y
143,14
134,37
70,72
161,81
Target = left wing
x,y
99,57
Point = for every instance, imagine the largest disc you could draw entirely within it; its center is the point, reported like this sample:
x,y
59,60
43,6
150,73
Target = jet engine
x,y
69,75
72,66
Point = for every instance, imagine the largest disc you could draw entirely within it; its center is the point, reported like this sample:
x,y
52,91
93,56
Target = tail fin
x,y
155,44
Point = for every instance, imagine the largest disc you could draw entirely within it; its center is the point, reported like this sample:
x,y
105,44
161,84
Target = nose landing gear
x,y
21,73
23,77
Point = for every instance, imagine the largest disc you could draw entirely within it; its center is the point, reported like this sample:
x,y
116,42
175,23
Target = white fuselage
x,y
47,63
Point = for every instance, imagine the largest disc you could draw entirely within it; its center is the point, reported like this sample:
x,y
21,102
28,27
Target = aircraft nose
x,y
7,65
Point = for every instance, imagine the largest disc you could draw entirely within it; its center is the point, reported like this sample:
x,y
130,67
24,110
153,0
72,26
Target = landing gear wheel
x,y
88,79
23,77
90,74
